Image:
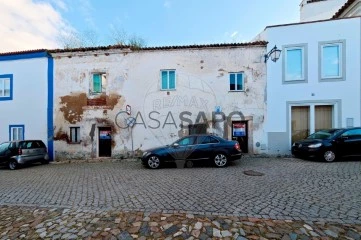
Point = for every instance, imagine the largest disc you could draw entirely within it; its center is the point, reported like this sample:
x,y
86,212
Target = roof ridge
x,y
110,47
342,9
85,49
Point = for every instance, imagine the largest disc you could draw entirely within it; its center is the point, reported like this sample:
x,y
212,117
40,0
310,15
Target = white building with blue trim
x,y
26,97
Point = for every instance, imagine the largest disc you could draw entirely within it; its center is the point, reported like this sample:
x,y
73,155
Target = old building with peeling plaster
x,y
168,92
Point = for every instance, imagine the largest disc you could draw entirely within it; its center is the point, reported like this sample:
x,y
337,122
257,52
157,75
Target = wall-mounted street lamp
x,y
274,54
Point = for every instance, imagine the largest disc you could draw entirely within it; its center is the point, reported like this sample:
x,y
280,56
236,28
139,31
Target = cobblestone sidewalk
x,y
59,223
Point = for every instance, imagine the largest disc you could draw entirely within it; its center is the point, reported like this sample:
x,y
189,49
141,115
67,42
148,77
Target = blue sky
x,y
34,24
179,22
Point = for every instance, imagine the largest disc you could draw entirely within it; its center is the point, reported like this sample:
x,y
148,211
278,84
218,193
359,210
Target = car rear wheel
x,y
329,156
220,160
13,165
153,162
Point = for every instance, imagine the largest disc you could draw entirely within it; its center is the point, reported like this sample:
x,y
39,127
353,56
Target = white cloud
x,y
27,25
234,34
167,4
87,10
60,4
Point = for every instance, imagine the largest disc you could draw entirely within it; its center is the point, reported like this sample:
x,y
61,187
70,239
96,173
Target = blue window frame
x,y
236,82
6,87
168,80
16,132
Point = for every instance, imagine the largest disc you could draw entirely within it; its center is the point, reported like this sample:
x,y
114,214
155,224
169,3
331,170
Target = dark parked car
x,y
330,144
17,153
194,148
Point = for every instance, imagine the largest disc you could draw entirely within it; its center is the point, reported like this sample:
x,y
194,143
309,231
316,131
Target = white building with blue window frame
x,y
26,88
316,82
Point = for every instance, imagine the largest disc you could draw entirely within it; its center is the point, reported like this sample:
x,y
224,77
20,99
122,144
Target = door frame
x,y
336,115
98,142
249,120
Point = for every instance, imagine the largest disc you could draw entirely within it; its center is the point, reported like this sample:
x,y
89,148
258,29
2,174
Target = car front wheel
x,y
220,160
153,162
329,156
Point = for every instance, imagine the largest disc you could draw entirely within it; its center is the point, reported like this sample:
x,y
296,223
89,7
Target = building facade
x,y
26,87
316,83
112,102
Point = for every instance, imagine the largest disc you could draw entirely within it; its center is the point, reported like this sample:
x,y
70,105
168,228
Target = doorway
x,y
240,134
105,142
306,120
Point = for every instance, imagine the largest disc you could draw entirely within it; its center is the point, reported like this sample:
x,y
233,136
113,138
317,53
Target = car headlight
x,y
294,144
145,153
317,145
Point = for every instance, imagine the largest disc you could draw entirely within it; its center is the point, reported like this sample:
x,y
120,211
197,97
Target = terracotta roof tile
x,y
23,52
343,8
257,43
313,1
86,49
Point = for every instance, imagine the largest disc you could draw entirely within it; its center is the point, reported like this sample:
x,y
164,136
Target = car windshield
x,y
323,134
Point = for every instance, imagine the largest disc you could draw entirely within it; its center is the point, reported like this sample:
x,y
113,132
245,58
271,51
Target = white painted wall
x,y
347,91
202,78
319,10
29,104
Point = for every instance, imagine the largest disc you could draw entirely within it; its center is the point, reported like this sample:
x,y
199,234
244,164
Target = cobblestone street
x,y
299,191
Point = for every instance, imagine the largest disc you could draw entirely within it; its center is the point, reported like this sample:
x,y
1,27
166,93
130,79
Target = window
x,y
206,140
168,80
331,60
294,64
75,134
6,87
352,134
4,147
16,132
99,82
187,141
236,82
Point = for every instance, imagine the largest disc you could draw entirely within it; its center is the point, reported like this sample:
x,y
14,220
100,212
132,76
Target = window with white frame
x,y
99,82
295,64
6,87
331,60
16,132
168,80
236,81
74,134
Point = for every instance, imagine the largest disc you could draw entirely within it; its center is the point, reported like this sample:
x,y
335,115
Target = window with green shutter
x,y
99,82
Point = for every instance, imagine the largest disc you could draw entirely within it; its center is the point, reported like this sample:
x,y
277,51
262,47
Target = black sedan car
x,y
330,144
194,148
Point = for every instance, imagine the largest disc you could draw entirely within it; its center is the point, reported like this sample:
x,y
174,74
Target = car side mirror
x,y
175,145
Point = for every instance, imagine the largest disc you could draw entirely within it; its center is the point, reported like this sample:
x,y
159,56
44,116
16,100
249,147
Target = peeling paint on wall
x,y
61,136
73,107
